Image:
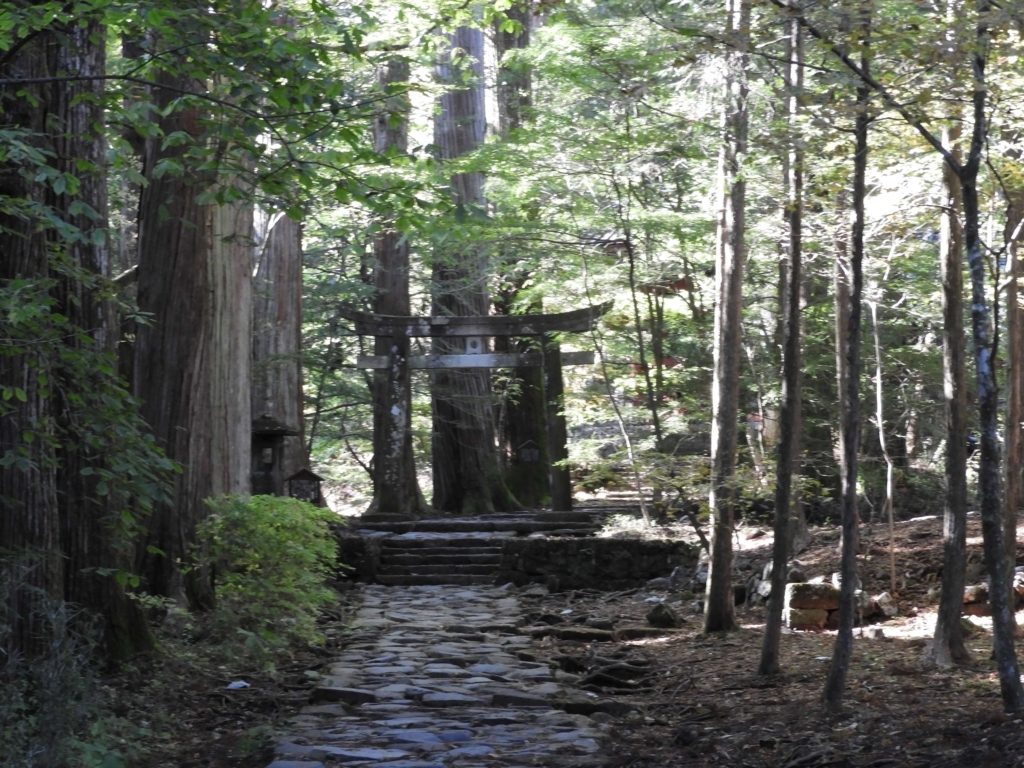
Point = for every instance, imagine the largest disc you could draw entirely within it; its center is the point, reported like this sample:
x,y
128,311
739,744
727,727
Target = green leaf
x,y
20,394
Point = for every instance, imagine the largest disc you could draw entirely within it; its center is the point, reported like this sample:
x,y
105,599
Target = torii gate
x,y
475,331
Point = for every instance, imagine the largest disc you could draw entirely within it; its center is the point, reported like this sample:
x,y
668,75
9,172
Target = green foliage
x,y
50,708
270,558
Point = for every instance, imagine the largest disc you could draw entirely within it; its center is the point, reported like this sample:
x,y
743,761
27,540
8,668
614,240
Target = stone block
x,y
662,615
805,618
812,596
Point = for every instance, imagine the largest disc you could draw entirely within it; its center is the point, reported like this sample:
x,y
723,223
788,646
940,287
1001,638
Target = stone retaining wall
x,y
590,562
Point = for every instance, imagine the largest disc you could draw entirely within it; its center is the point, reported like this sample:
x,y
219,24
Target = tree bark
x,y
193,362
719,613
523,409
62,521
277,333
832,697
396,489
467,474
790,412
948,647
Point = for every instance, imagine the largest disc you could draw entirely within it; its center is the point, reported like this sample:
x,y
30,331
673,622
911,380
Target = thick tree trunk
x,y
467,474
790,412
277,333
832,697
719,613
193,362
62,522
30,523
522,432
396,489
948,647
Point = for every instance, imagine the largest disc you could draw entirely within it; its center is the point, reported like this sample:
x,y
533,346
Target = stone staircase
x,y
463,551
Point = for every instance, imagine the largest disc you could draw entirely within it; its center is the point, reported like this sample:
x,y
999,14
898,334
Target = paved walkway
x,y
436,677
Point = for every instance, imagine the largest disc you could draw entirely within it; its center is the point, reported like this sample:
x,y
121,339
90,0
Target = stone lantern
x,y
305,486
268,436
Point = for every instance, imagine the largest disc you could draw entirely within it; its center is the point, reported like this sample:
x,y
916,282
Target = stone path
x,y
437,677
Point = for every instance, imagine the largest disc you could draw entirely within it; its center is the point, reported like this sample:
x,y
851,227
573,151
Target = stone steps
x,y
455,569
517,526
424,580
433,557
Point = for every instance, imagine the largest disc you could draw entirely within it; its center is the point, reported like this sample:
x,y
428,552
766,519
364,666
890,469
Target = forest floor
x,y
701,702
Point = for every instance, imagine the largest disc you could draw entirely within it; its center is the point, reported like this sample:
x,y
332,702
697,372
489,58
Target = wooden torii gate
x,y
475,331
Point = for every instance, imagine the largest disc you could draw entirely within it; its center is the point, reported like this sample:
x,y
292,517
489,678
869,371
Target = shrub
x,y
48,700
270,557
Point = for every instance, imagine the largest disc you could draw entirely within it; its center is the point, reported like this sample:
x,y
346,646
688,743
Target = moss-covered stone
x,y
808,596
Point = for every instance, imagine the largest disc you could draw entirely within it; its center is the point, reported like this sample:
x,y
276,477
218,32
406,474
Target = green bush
x,y
270,557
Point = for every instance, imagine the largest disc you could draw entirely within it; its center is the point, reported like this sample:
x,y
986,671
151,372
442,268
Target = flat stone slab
x,y
353,696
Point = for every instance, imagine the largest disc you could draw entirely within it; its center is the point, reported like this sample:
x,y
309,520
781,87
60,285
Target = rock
x,y
833,620
602,717
812,596
796,574
661,582
876,633
974,572
805,618
636,633
597,622
977,609
353,696
439,700
977,593
886,605
969,627
764,589
816,580
662,615
584,634
518,699
551,618
678,580
296,764
739,594
837,581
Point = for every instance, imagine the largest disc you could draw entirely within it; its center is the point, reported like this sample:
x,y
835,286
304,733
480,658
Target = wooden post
x,y
558,433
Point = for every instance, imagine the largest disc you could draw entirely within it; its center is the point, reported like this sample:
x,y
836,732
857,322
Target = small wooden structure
x,y
475,331
305,486
268,436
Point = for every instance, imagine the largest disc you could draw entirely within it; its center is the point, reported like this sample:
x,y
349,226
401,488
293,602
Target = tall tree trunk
x,y
396,489
719,613
989,488
948,647
789,415
467,474
30,523
193,362
832,697
523,419
1014,382
61,519
277,333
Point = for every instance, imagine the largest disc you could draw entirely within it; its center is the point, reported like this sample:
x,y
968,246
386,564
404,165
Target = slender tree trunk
x,y
719,613
989,488
832,697
1014,383
948,647
467,474
789,415
277,333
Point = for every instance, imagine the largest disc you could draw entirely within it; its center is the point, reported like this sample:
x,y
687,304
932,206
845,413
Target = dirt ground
x,y
704,704
701,701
